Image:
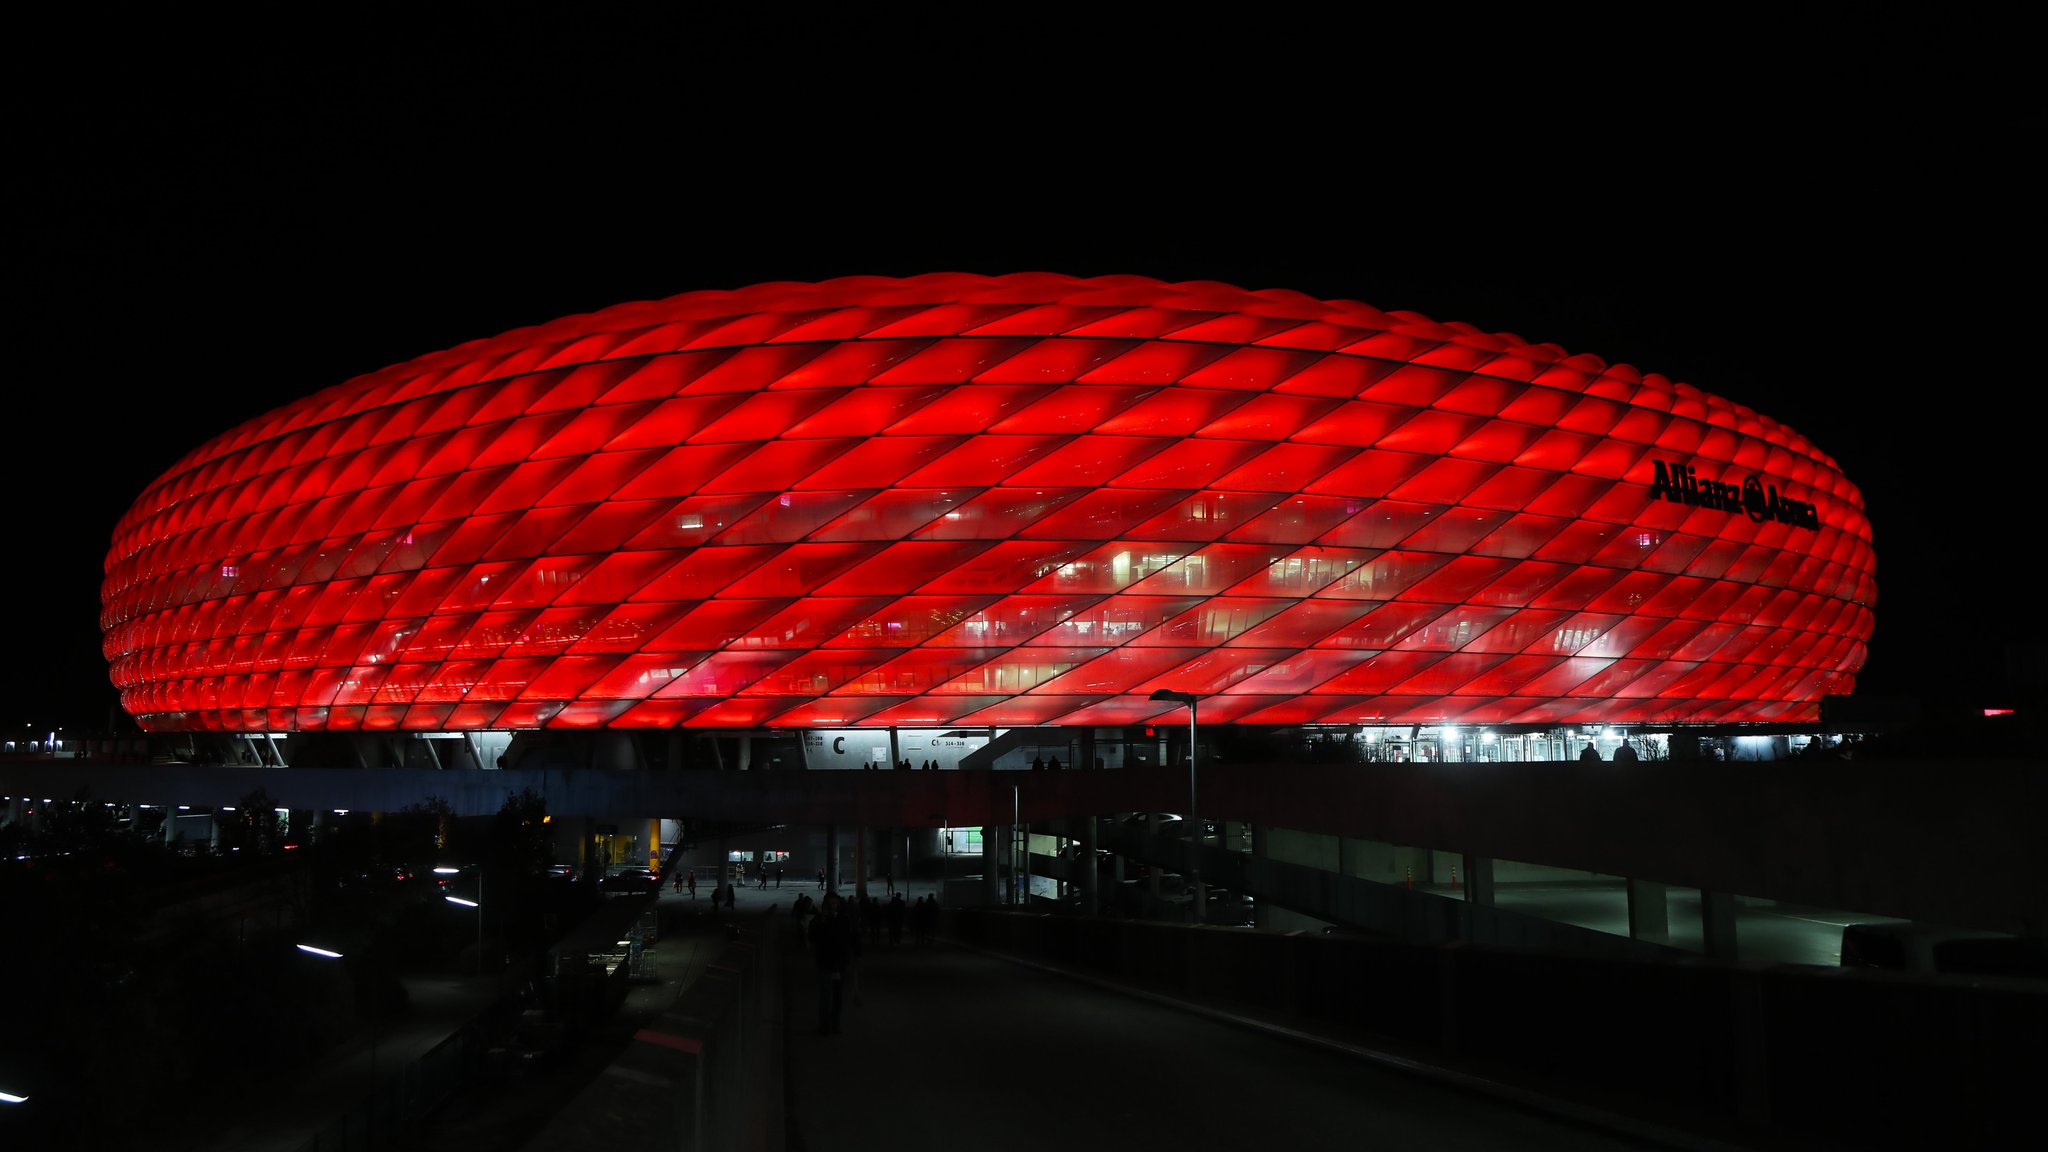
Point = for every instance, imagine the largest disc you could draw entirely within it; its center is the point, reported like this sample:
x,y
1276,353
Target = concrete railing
x,y
1357,902
705,1075
404,1091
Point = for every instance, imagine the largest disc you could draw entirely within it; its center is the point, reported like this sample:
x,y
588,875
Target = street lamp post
x,y
1194,821
370,1114
477,904
479,926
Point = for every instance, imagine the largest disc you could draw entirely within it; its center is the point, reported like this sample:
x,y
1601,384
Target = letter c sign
x,y
839,745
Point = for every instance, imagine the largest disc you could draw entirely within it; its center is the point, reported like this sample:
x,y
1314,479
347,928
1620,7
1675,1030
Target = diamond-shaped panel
x,y
960,499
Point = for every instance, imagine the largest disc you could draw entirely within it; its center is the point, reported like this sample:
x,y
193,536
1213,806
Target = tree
x,y
251,827
519,833
416,833
79,826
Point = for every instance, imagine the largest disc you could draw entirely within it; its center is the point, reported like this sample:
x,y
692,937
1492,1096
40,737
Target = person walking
x,y
690,879
821,879
778,875
764,878
804,911
676,881
835,942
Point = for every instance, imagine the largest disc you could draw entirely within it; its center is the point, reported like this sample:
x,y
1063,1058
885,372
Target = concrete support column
x,y
991,864
1024,864
831,858
1261,911
860,861
1648,914
1152,829
1479,879
1091,895
1717,924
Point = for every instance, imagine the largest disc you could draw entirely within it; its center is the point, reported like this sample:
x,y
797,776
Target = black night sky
x,y
209,221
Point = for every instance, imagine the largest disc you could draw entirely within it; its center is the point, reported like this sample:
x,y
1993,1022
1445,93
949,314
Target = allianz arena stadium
x,y
981,502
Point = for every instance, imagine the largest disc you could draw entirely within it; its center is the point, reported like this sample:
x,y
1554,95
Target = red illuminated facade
x,y
990,501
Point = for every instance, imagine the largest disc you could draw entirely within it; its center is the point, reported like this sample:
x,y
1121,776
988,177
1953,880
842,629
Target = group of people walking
x,y
873,920
721,896
1623,754
839,931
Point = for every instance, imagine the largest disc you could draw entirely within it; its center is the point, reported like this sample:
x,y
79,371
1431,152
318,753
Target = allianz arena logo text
x,y
1753,498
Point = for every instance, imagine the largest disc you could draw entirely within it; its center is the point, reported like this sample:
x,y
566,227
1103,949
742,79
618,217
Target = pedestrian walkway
x,y
341,1083
484,1116
498,1114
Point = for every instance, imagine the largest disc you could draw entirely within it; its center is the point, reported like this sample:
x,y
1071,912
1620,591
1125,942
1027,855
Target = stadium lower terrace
x,y
1803,815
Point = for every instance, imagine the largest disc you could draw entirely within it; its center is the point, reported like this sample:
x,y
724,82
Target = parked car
x,y
631,880
1903,946
382,878
1105,860
1170,824
1235,909
1141,823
